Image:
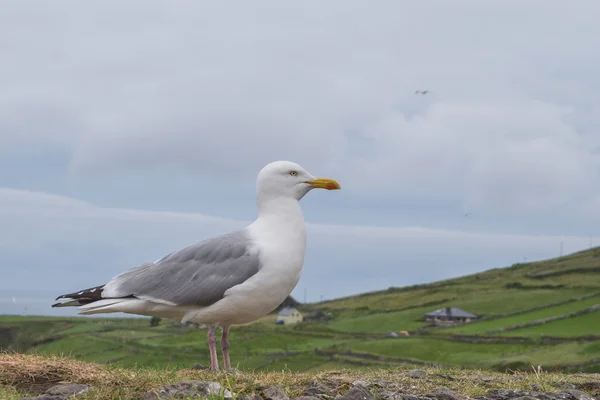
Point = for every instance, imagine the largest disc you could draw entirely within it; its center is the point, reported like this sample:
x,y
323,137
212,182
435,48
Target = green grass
x,y
553,356
408,320
481,327
581,325
479,355
442,351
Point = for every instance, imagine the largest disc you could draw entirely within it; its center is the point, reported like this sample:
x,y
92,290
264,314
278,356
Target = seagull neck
x,y
279,208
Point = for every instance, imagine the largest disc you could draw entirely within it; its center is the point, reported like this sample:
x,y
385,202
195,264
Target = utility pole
x,y
561,247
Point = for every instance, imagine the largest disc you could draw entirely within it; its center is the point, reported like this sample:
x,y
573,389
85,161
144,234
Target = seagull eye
x,y
293,173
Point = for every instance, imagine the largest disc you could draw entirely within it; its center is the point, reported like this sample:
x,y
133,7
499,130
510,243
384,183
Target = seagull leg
x,y
225,348
214,361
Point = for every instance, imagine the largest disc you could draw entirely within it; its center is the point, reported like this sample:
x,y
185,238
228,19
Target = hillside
x,y
541,313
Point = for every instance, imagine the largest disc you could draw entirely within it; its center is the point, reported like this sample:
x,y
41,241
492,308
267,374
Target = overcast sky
x,y
130,129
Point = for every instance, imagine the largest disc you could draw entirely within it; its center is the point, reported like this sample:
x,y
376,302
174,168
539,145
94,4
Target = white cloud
x,y
511,124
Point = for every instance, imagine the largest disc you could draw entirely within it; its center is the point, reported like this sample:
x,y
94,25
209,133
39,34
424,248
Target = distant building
x,y
450,316
288,302
288,316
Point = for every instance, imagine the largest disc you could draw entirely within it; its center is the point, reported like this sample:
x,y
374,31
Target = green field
x,y
588,324
355,336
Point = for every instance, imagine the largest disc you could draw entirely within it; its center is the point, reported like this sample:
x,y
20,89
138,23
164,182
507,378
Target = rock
x,y
447,394
70,389
578,394
358,393
187,389
525,398
274,393
397,395
564,385
331,383
246,396
61,392
503,394
199,366
307,398
536,387
360,382
417,373
592,387
316,390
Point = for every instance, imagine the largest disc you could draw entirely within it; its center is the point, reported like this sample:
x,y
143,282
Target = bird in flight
x,y
232,279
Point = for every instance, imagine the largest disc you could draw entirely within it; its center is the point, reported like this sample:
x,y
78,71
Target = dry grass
x,y
30,375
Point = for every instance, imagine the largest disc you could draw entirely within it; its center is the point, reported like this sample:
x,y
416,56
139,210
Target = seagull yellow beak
x,y
324,183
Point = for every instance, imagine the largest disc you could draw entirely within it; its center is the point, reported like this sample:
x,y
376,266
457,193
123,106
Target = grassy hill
x,y
545,312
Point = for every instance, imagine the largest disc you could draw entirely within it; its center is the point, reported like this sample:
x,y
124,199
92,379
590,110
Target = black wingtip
x,y
87,295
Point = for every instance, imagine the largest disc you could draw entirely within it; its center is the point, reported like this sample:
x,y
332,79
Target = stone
x,y
187,389
578,394
274,393
306,398
525,398
358,393
360,382
536,387
592,387
564,385
70,389
247,396
417,373
46,397
503,394
397,395
446,394
317,390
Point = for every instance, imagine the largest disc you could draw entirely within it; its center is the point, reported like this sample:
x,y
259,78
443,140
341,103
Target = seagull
x,y
231,279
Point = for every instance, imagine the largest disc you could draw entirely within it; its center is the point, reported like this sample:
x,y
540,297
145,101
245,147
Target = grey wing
x,y
197,275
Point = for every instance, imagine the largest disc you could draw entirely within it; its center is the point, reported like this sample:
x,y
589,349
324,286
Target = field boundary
x,y
542,321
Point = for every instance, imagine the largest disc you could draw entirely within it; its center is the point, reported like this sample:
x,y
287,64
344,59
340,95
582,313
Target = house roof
x,y
286,311
454,312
